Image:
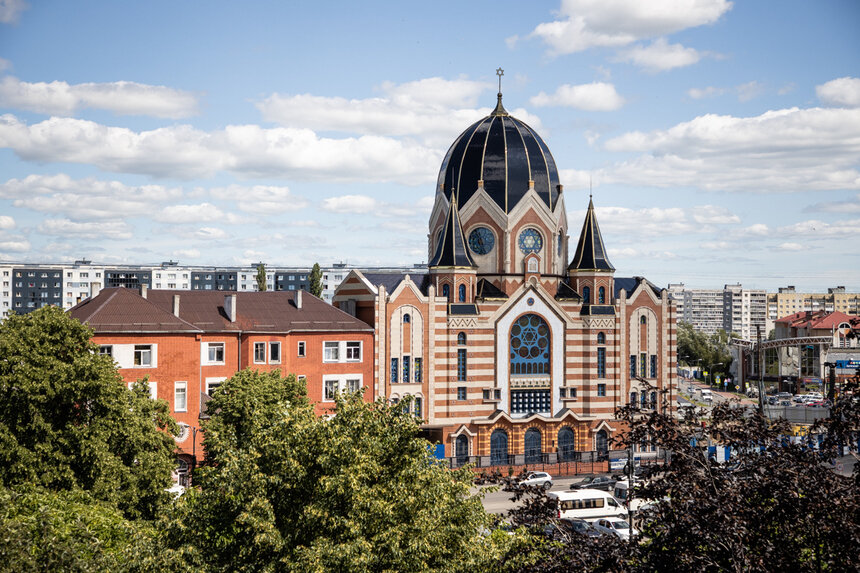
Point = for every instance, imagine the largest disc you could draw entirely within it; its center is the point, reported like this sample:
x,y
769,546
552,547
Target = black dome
x,y
506,154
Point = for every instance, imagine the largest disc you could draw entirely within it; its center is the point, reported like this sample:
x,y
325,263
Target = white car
x,y
540,479
615,526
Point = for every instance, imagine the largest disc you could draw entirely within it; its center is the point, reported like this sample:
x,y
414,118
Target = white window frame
x,y
353,348
215,381
342,383
329,346
332,383
151,352
261,346
208,347
180,388
272,359
301,349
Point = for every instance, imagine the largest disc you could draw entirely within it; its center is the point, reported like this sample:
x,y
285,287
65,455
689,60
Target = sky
x,y
720,140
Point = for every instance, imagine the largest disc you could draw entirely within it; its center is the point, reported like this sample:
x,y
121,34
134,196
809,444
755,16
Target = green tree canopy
x,y
316,286
262,285
290,491
68,421
699,349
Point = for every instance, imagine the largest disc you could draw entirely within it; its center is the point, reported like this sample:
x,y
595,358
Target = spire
x,y
500,109
452,251
590,254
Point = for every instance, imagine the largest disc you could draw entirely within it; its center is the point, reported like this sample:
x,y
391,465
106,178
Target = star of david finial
x,y
500,72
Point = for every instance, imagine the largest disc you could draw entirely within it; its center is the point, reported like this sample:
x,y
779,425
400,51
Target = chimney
x,y
143,289
298,299
95,289
176,305
230,306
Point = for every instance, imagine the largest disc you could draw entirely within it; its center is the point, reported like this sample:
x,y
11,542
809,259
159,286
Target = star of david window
x,y
530,241
530,346
481,241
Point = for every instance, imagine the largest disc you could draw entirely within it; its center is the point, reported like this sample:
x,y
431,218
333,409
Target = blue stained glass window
x,y
418,372
461,338
446,291
462,293
461,364
530,352
586,295
632,365
653,366
406,369
481,241
530,241
601,295
601,363
643,365
601,389
601,338
394,369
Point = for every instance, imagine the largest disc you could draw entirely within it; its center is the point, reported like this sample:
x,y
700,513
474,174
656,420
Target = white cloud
x,y
718,246
202,212
14,246
749,90
714,215
784,150
186,253
660,56
261,199
85,199
6,222
596,96
10,10
756,230
4,63
250,150
357,204
707,92
614,23
848,206
841,92
123,98
650,222
790,247
100,230
209,233
434,109
814,229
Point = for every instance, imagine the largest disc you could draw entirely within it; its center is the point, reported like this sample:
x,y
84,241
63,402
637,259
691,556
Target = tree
x,y
699,349
69,422
316,281
290,491
261,278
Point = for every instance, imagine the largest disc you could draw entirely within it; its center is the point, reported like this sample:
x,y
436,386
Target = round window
x,y
481,241
530,241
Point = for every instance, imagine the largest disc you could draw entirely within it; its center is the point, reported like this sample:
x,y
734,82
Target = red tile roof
x,y
817,320
125,310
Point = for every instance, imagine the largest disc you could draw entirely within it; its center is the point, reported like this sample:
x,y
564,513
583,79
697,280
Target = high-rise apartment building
x,y
732,308
788,301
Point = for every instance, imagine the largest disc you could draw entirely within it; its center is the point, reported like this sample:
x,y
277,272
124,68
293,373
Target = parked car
x,y
581,526
819,403
615,526
604,483
539,479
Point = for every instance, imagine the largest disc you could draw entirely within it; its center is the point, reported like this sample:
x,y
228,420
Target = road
x,y
500,501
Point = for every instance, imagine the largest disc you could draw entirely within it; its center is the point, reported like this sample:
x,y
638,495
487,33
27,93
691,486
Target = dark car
x,y
604,483
580,526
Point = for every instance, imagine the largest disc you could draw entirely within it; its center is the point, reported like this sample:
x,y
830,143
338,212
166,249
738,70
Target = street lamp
x,y
711,371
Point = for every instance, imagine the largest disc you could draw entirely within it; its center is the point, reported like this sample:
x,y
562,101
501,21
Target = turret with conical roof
x,y
451,267
591,274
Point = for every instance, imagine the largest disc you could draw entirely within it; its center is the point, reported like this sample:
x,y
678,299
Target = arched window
x,y
601,444
462,293
634,399
530,345
643,320
462,449
533,265
560,240
654,400
461,338
586,295
499,448
601,338
644,400
566,445
533,446
446,292
407,318
601,295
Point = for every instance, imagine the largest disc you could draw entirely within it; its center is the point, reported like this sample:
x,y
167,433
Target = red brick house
x,y
188,342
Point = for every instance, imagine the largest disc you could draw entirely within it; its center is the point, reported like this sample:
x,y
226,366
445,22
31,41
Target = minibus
x,y
587,504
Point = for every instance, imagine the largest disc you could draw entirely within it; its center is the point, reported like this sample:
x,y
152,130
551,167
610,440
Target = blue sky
x,y
721,139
